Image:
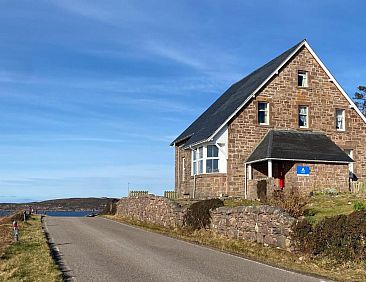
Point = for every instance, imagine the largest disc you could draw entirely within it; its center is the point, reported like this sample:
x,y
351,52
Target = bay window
x,y
206,159
197,161
212,161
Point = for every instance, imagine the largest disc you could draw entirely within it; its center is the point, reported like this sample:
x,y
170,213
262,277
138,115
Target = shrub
x,y
341,237
302,236
330,191
359,206
291,201
198,214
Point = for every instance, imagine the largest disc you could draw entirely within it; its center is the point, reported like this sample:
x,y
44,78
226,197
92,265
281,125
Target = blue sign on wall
x,y
303,170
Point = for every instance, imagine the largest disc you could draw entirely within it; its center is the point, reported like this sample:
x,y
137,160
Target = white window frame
x,y
266,113
305,76
200,163
306,115
212,158
349,152
198,160
183,169
343,121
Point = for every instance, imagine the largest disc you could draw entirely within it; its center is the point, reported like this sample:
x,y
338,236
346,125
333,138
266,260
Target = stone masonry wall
x,y
284,97
321,176
153,209
207,185
262,224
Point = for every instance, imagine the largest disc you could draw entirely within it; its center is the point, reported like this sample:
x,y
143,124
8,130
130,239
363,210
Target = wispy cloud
x,y
164,51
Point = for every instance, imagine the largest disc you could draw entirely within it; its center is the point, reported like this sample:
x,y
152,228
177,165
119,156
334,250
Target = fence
x,y
358,187
138,193
171,195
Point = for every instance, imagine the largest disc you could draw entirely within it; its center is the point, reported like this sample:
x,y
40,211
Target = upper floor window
x,y
212,161
197,161
303,116
263,113
340,119
302,78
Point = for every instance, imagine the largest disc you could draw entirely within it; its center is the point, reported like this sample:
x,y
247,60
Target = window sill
x,y
212,174
340,130
304,128
264,125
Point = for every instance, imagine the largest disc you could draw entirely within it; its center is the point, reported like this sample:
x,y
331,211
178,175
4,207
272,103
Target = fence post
x,y
15,231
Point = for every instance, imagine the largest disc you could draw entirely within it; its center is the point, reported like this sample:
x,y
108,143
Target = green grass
x,y
29,259
353,271
321,206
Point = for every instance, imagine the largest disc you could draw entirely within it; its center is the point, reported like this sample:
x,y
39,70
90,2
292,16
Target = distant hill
x,y
70,204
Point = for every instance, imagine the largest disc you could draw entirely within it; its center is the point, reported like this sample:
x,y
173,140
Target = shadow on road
x,y
55,253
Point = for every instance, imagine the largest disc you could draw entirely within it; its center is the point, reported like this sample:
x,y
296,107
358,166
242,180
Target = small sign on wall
x,y
302,170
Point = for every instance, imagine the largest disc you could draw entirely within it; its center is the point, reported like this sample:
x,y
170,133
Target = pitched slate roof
x,y
206,124
296,145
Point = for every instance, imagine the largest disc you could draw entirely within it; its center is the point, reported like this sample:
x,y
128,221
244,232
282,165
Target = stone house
x,y
288,122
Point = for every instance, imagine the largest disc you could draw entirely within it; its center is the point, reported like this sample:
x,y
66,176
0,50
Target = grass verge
x,y
29,259
5,237
321,206
272,256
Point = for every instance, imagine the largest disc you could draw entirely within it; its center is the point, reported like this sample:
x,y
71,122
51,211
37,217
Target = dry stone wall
x,y
262,224
152,209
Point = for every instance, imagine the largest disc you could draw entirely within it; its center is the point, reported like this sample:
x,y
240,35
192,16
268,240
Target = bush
x,y
198,214
330,191
341,237
302,234
291,201
359,206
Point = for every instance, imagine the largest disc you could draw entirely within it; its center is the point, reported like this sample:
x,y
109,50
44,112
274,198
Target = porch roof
x,y
295,145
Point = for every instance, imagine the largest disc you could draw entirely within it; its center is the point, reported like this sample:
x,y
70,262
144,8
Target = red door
x,y
281,176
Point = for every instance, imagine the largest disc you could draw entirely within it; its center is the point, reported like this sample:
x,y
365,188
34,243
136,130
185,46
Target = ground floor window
x,y
205,159
197,161
212,161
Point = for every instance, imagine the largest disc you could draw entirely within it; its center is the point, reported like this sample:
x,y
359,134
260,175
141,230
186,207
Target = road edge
x,y
65,270
321,278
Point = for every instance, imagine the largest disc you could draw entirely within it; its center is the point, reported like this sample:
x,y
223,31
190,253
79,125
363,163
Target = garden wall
x,y
152,209
262,224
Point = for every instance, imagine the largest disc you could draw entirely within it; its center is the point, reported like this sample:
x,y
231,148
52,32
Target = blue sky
x,y
92,92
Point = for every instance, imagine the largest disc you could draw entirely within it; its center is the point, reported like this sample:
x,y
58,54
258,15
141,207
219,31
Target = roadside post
x,y
15,231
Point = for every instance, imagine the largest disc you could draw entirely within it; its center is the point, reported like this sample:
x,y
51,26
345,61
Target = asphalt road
x,y
97,249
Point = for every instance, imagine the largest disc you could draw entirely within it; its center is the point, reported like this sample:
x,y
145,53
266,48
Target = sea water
x,y
66,213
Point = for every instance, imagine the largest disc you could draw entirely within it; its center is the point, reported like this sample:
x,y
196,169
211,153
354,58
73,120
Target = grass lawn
x,y
276,257
29,259
5,237
321,206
